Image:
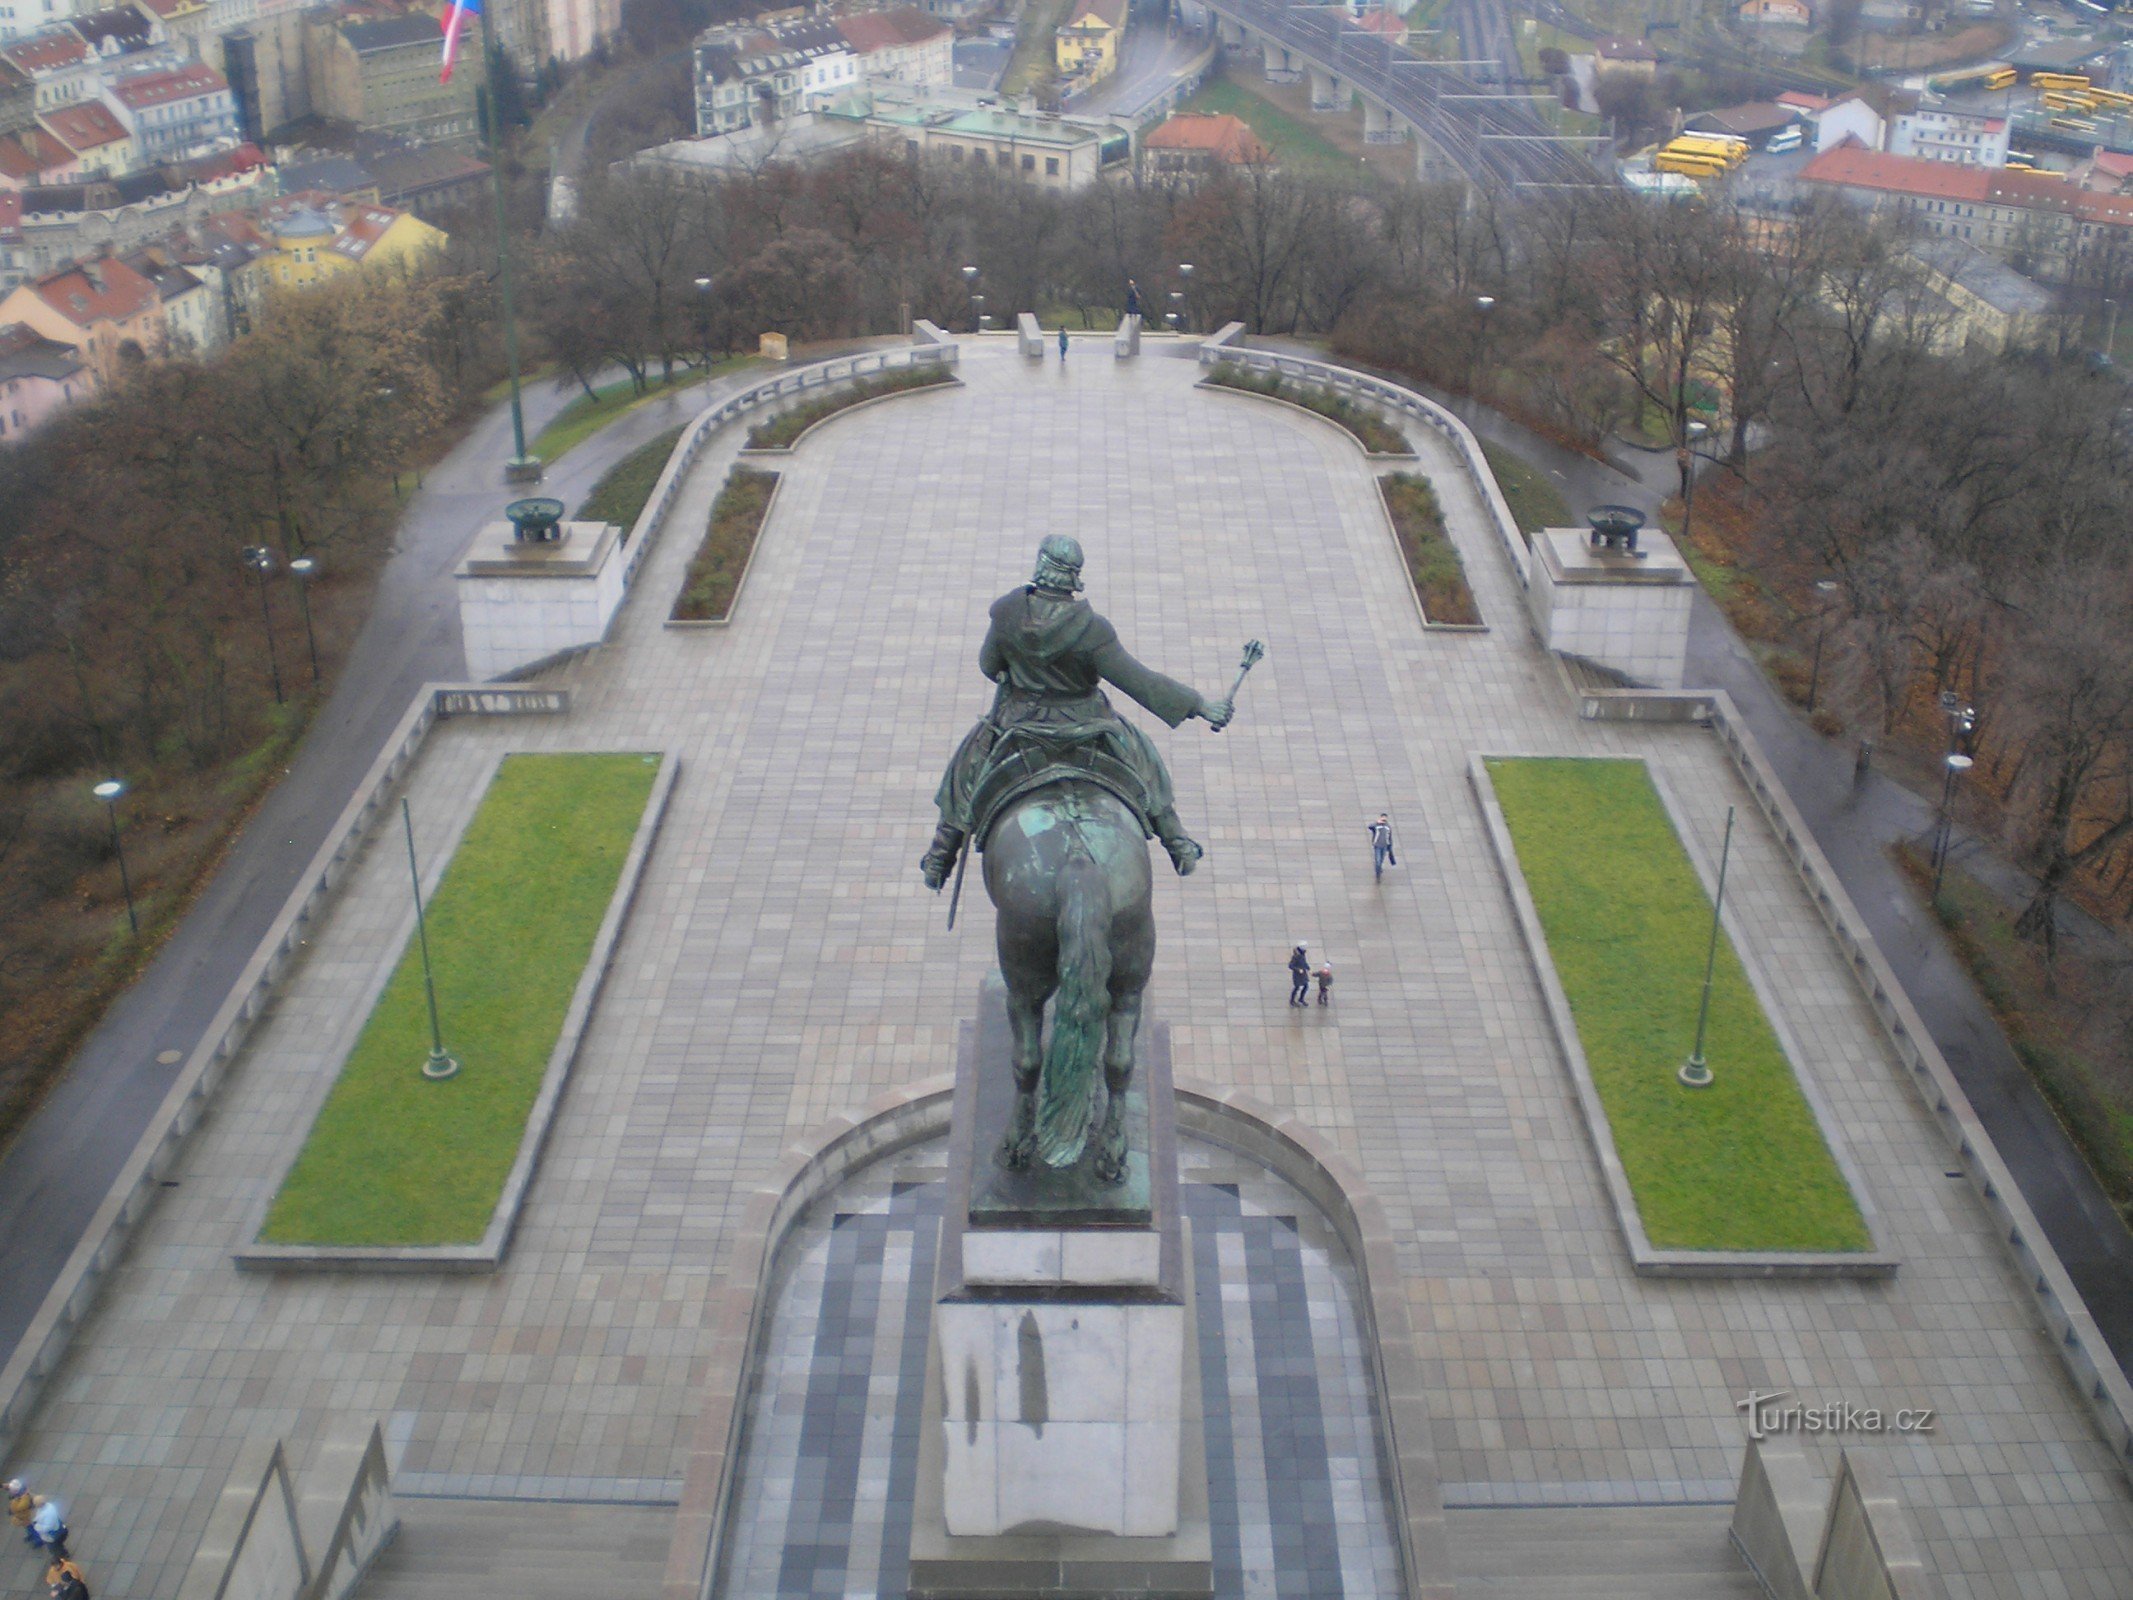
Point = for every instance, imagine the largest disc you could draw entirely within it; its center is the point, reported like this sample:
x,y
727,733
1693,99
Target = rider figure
x,y
1048,651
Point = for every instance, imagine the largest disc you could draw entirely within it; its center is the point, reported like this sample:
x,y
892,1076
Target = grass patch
x,y
1432,560
1740,1165
780,431
2064,1025
1298,148
1378,436
1036,55
1535,502
588,414
729,535
395,1159
619,497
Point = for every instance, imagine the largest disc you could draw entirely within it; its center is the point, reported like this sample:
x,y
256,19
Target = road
x,y
1497,143
56,1173
1151,57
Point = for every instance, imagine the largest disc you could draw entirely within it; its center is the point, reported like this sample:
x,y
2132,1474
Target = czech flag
x,y
455,22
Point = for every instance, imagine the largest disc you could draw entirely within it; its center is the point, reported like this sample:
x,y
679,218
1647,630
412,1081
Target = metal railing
x,y
1387,397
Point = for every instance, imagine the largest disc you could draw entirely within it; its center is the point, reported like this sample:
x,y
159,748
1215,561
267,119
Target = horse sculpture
x,y
1066,867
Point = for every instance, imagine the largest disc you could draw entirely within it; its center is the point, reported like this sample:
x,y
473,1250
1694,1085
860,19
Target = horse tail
x,y
1066,1089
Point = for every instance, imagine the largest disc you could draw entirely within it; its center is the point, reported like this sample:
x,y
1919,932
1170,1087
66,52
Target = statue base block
x,y
1063,1450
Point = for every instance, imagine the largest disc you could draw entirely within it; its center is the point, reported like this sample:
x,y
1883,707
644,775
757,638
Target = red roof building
x,y
98,139
2028,214
103,309
1202,142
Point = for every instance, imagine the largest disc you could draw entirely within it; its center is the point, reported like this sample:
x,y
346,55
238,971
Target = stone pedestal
x,y
1126,341
523,601
1627,612
1063,1450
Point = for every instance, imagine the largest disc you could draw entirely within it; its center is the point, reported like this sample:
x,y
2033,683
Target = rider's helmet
x,y
1058,564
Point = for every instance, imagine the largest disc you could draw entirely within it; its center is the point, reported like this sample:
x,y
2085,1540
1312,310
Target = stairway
x,y
520,1550
1599,1553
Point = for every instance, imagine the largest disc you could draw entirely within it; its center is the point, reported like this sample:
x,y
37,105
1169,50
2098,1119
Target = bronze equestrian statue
x,y
1060,795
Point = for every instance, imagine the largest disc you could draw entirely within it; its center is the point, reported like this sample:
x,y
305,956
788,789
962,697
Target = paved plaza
x,y
783,964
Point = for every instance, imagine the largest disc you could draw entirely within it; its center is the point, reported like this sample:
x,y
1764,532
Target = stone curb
x,y
815,1161
771,452
488,1253
1392,532
1649,1260
1377,458
133,1192
688,624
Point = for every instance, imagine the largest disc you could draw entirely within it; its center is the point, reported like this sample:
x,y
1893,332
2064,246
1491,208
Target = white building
x,y
175,112
757,77
901,46
1939,133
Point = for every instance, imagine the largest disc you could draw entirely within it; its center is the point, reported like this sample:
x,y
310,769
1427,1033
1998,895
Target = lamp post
x,y
304,569
1695,1072
521,468
261,560
1687,457
1483,305
110,791
1953,767
1183,296
703,320
970,288
1824,588
440,1063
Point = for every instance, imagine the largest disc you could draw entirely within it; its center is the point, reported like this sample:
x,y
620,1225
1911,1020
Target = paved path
x,y
781,965
55,1174
1150,58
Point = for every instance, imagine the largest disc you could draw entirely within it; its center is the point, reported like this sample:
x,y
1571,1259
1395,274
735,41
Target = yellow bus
x,y
2116,99
2073,125
2060,100
2001,78
2058,80
2019,161
1718,147
1689,165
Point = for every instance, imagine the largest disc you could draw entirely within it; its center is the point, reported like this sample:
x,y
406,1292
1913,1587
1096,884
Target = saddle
x,y
1031,765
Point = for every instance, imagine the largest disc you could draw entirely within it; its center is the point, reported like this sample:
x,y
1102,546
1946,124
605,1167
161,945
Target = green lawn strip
x,y
619,497
1378,436
1535,502
1432,559
586,416
1298,147
1036,53
780,431
397,1159
729,535
1741,1165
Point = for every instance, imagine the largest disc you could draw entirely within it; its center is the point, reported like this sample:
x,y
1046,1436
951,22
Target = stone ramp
x,y
520,1550
1598,1553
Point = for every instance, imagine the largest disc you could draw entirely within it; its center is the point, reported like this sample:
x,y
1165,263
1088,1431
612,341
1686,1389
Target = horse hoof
x,y
1014,1155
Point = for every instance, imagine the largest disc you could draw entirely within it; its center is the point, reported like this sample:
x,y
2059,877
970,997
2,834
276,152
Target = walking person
x,y
1325,983
1133,298
1062,341
1381,852
65,1580
1300,976
21,1507
48,1529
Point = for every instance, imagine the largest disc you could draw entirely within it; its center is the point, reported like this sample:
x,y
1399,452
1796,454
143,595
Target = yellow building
x,y
1088,44
314,235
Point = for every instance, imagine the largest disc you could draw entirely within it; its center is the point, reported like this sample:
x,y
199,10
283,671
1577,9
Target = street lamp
x,y
440,1063
1687,457
261,560
110,791
1483,305
304,569
1695,1073
703,320
1824,589
1952,768
970,288
1182,296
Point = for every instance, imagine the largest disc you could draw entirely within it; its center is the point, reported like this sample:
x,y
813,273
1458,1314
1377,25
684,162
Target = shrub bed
x,y
1432,560
1378,436
780,431
729,535
620,496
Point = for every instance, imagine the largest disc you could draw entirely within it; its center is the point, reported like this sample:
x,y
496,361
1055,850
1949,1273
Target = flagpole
x,y
521,468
